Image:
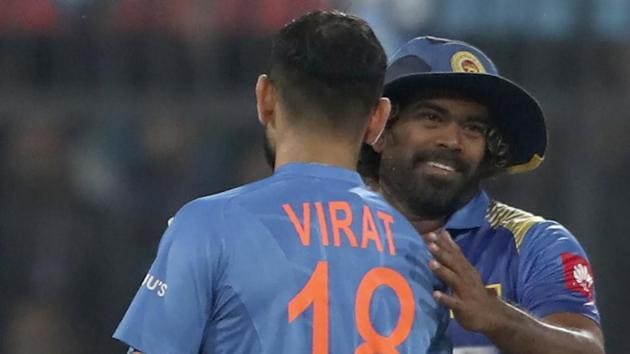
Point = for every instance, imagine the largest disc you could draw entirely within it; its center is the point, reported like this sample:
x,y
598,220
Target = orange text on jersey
x,y
334,220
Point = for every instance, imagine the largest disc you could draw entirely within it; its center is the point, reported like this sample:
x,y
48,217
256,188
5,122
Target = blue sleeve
x,y
555,274
172,308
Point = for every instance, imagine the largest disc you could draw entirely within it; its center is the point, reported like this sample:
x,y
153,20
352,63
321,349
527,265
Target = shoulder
x,y
204,216
209,208
517,221
529,230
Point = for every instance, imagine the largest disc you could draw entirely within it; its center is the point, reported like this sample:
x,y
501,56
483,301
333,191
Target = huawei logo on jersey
x,y
583,277
577,274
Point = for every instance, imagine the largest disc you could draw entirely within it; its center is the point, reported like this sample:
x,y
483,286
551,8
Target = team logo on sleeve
x,y
578,276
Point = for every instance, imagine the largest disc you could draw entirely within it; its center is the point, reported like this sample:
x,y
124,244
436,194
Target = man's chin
x,y
442,193
434,200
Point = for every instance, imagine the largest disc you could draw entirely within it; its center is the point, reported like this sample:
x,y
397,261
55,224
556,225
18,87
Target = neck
x,y
316,148
427,225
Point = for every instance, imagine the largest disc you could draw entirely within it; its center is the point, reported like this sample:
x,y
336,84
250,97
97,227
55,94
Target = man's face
x,y
431,154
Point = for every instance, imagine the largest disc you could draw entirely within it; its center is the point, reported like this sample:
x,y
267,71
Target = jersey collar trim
x,y
472,215
319,170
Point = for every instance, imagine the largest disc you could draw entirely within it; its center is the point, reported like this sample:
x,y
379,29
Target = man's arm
x,y
171,309
515,331
511,329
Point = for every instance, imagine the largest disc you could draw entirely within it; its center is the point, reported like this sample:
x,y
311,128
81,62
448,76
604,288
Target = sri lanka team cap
x,y
430,62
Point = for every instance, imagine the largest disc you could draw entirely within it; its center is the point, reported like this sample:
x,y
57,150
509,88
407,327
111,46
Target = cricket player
x,y
308,260
518,283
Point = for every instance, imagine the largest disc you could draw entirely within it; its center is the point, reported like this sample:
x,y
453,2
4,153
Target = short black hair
x,y
329,68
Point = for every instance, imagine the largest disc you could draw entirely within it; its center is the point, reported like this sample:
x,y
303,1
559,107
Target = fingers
x,y
444,240
446,251
450,263
442,255
445,274
446,299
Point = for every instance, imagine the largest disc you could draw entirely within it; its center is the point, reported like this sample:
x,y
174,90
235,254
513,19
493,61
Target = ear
x,y
377,122
265,100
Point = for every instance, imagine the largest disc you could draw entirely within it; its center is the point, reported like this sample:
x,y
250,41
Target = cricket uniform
x,y
305,261
534,263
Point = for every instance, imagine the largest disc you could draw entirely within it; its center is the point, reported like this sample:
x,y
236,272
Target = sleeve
x,y
171,310
555,274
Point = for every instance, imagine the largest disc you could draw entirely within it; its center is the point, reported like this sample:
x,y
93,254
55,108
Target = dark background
x,y
115,113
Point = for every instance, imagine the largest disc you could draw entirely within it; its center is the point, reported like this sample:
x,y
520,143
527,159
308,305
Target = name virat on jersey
x,y
334,220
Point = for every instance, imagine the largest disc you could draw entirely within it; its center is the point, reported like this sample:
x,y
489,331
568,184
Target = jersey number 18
x,y
316,293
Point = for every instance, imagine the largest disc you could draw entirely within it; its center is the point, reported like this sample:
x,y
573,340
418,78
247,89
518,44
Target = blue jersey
x,y
534,263
305,261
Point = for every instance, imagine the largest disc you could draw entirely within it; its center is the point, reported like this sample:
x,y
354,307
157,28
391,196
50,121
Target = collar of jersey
x,y
472,215
319,170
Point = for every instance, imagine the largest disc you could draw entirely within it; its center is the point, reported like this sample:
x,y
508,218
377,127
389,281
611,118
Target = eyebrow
x,y
424,104
471,118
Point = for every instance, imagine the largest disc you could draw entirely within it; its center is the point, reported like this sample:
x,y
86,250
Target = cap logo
x,y
466,62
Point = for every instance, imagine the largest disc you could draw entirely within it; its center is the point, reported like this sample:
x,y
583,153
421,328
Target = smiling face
x,y
431,154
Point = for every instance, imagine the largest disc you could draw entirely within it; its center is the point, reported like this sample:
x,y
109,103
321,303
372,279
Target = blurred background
x,y
113,113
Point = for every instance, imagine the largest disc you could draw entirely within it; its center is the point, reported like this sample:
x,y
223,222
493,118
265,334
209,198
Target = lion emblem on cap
x,y
466,62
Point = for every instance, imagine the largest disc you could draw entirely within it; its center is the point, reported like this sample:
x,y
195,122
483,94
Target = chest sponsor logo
x,y
578,276
494,289
155,285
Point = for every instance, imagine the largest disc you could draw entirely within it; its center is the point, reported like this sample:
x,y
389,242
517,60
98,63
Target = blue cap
x,y
430,62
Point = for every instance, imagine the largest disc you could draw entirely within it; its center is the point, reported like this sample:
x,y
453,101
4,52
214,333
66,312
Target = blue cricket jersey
x,y
534,263
305,261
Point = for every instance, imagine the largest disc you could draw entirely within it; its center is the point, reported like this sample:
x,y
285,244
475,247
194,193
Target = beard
x,y
427,195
